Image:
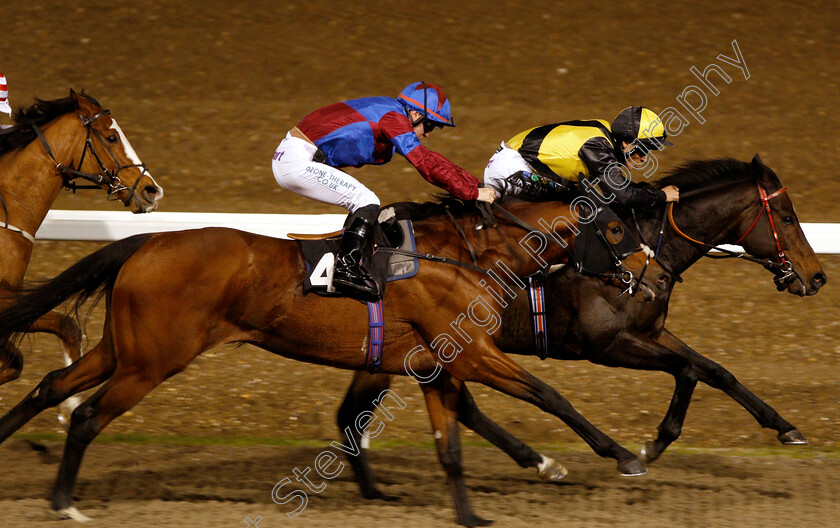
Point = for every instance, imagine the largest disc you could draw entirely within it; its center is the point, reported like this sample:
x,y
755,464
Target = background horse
x,y
52,144
722,202
171,296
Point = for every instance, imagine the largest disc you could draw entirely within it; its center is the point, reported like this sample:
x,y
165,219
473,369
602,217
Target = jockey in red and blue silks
x,y
361,132
4,96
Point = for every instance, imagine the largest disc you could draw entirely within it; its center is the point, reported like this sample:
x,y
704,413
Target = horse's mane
x,y
693,174
38,114
437,207
533,192
697,174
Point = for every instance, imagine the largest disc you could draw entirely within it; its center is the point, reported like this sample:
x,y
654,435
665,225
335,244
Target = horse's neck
x,y
522,252
29,181
714,229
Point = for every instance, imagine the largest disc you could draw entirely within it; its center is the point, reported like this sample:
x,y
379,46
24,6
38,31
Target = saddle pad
x,y
386,267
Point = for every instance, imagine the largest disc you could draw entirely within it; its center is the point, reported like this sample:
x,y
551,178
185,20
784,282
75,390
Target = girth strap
x,y
376,336
539,322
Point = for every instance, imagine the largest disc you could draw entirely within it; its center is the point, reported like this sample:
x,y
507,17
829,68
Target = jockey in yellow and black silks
x,y
594,150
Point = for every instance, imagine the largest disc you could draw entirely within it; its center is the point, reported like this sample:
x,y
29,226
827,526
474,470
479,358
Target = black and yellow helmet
x,y
642,125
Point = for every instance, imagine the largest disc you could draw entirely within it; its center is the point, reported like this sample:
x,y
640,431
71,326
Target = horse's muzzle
x,y
146,198
644,293
796,286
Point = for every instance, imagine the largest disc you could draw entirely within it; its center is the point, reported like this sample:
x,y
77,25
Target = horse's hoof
x,y
632,468
474,520
793,437
649,453
378,495
72,513
551,470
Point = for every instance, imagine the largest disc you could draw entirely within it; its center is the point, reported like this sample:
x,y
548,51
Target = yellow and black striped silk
x,y
553,150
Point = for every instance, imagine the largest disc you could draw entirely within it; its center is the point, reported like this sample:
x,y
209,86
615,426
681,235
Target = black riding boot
x,y
349,277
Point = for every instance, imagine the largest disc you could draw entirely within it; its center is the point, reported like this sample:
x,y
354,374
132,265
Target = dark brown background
x,y
206,91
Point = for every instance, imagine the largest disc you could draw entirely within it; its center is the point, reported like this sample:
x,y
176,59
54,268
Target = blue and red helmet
x,y
429,100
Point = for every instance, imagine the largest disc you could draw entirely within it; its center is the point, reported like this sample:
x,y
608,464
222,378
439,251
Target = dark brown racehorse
x,y
722,202
52,145
171,296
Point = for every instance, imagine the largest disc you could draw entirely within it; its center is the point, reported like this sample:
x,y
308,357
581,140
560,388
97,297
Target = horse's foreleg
x,y
65,329
485,363
471,416
11,363
361,395
633,351
442,401
718,377
68,332
94,368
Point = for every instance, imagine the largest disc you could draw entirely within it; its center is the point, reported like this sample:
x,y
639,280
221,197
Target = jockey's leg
x,y
505,162
349,275
295,169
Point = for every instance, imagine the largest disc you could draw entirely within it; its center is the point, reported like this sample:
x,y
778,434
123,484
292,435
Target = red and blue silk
x,y
368,131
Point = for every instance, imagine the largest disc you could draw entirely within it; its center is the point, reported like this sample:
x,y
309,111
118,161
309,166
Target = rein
x,y
455,262
784,267
626,276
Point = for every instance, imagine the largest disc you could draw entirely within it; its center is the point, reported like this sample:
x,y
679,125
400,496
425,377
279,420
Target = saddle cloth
x,y
383,266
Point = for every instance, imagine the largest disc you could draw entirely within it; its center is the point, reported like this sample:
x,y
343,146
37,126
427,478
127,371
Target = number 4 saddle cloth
x,y
384,266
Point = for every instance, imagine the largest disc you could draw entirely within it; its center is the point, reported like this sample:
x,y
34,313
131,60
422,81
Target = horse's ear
x,y
757,165
86,107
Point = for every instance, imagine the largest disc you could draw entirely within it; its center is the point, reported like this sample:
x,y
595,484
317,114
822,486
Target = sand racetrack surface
x,y
205,91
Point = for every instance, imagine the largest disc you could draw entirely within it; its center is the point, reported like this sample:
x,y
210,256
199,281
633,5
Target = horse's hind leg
x,y
94,368
119,394
471,416
365,388
718,377
361,395
442,401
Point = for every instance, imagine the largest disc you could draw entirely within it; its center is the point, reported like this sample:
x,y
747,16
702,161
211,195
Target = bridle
x,y
784,266
69,174
626,276
106,176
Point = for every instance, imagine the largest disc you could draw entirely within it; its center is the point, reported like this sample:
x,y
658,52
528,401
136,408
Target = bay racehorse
x,y
721,202
171,296
52,145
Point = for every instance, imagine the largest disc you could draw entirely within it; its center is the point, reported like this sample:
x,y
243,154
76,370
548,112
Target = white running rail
x,y
114,225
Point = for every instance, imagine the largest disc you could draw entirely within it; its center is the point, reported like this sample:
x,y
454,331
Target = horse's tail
x,y
92,274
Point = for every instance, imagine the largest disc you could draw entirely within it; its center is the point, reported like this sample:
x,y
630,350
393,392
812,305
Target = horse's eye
x,y
112,139
788,220
617,230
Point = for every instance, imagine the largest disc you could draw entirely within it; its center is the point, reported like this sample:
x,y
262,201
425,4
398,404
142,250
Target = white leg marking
x,y
73,513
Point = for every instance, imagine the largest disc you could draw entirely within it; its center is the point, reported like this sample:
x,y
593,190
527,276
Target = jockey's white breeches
x,y
502,164
295,171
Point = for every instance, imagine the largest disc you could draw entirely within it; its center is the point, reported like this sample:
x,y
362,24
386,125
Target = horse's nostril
x,y
150,189
818,280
